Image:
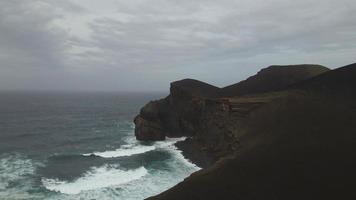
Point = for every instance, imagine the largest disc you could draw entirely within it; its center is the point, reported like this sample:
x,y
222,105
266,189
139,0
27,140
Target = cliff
x,y
301,145
210,119
178,114
291,140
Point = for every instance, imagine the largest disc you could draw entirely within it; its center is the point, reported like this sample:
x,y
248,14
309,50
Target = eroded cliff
x,y
300,145
211,117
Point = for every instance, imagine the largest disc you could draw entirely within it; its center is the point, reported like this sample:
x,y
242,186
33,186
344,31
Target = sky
x,y
143,45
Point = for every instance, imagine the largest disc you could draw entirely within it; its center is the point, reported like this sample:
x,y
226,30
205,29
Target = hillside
x,y
273,78
287,140
193,87
341,81
301,145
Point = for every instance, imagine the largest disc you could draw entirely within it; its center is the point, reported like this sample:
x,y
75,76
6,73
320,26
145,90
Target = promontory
x,y
288,132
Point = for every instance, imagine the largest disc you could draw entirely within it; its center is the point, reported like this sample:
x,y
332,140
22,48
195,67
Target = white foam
x,y
169,142
96,178
16,168
161,176
169,146
134,147
124,151
129,125
160,179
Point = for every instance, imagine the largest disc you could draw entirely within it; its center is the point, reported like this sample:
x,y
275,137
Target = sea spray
x,y
96,178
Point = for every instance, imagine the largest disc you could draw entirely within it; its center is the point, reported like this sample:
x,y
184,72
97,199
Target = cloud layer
x,y
144,44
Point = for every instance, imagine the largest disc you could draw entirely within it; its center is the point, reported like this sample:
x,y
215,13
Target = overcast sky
x,y
142,45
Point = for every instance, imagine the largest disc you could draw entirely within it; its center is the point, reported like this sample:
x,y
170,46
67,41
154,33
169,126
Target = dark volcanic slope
x,y
341,81
187,110
177,114
301,145
195,88
273,78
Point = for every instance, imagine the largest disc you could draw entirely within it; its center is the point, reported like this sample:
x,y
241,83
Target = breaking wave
x,y
124,151
16,176
96,178
134,147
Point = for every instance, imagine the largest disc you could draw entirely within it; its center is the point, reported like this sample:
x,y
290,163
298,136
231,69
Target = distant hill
x,y
273,78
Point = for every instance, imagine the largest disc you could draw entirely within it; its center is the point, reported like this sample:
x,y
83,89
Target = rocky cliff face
x,y
286,133
210,120
177,115
299,144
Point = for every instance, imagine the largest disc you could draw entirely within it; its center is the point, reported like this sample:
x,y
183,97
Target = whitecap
x,y
133,147
126,125
169,146
159,177
174,170
126,150
96,178
18,169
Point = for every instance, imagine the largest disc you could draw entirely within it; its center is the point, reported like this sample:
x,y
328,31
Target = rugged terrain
x,y
288,132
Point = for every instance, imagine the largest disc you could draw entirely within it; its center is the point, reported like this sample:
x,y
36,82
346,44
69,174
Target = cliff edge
x,y
209,115
301,145
291,140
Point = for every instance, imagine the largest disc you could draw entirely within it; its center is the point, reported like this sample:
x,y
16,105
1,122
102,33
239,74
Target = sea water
x,y
66,145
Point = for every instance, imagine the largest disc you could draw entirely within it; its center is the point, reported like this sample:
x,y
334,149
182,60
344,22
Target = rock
x,y
298,143
148,130
175,115
196,109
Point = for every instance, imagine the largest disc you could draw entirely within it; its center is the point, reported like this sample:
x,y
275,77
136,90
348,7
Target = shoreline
x,y
266,137
193,154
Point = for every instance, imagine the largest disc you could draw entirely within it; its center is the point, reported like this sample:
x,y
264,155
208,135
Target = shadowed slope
x,y
196,88
301,145
341,81
273,78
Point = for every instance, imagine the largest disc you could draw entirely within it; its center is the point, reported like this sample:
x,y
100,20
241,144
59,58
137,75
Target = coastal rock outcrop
x,y
176,115
300,144
148,124
211,116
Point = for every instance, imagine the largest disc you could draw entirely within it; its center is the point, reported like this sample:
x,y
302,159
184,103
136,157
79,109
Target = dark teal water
x,y
81,146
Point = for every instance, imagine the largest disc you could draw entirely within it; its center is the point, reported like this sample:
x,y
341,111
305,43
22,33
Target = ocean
x,y
66,145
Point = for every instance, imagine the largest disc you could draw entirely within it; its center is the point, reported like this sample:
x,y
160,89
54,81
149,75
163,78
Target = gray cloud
x,y
145,44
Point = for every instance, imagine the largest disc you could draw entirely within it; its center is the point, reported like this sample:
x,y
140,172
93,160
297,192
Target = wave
x,y
126,125
96,178
163,175
16,176
134,147
122,152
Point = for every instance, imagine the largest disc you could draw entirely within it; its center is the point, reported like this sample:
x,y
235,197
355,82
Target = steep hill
x,y
273,78
189,102
297,143
341,81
